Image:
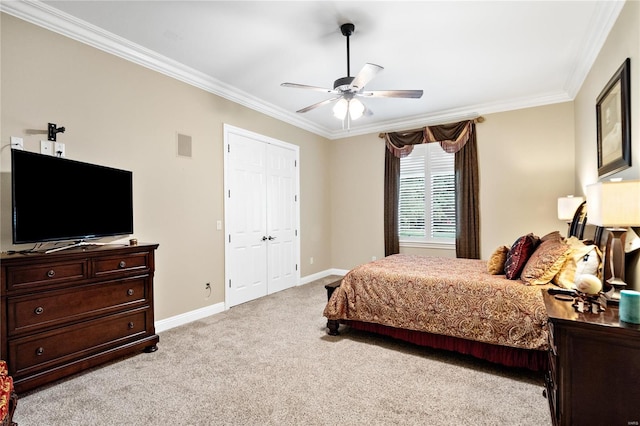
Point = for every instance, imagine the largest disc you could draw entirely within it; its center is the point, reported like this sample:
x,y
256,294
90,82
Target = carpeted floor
x,y
270,362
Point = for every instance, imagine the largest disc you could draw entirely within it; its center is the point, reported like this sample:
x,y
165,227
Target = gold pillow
x,y
495,265
545,262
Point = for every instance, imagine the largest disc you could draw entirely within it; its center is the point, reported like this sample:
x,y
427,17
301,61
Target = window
x,y
426,211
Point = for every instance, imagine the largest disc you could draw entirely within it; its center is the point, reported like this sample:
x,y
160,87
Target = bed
x,y
452,304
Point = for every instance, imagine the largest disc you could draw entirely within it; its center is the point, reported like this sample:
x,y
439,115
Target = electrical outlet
x,y
374,258
311,261
17,143
58,149
46,147
219,225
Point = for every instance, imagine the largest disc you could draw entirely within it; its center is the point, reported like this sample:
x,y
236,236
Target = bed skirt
x,y
534,360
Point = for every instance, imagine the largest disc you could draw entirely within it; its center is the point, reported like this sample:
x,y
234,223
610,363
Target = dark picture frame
x,y
613,118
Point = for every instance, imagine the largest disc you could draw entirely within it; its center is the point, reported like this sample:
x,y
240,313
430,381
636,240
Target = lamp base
x,y
613,295
614,265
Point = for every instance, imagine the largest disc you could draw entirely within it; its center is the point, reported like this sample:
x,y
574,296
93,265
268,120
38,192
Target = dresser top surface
x,y
562,310
88,250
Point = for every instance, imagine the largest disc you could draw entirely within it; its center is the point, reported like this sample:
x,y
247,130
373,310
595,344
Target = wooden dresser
x,y
594,367
67,311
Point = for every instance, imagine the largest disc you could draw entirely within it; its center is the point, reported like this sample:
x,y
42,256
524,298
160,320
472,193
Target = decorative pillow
x,y
583,259
545,262
495,265
518,255
554,235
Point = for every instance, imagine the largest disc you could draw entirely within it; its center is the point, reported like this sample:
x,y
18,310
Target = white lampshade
x,y
567,206
356,109
340,109
614,204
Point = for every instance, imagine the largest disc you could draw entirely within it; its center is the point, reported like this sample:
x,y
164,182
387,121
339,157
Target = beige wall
x,y
123,115
357,180
623,42
526,163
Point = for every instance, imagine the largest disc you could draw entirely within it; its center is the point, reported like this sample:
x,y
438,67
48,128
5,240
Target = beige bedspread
x,y
453,297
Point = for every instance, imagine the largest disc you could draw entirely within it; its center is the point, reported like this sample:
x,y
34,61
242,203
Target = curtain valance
x,y
451,137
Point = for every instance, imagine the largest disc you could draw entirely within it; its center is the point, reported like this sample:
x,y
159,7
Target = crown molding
x,y
453,115
603,19
52,19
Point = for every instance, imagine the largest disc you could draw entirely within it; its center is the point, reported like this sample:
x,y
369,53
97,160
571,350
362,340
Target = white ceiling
x,y
469,57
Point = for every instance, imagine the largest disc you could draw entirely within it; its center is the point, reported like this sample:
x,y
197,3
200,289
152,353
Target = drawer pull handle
x,y
130,325
130,292
39,310
51,273
39,351
122,264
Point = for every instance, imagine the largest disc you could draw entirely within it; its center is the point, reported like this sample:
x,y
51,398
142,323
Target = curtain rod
x,y
478,119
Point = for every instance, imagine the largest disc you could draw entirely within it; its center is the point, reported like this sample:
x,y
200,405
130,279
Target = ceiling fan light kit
x,y
348,88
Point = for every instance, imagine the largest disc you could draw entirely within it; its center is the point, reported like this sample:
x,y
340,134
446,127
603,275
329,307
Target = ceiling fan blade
x,y
392,94
366,74
319,104
304,86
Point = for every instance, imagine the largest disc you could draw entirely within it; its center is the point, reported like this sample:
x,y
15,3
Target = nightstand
x,y
594,366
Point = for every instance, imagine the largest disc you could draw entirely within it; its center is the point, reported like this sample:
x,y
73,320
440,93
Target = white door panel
x,y
247,223
261,217
281,207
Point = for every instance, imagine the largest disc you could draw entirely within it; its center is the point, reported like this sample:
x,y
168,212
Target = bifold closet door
x,y
246,219
281,218
261,218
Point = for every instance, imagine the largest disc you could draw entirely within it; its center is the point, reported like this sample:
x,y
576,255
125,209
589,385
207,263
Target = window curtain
x,y
459,139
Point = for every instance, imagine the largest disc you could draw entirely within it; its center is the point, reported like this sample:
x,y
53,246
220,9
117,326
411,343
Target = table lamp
x,y
567,207
614,206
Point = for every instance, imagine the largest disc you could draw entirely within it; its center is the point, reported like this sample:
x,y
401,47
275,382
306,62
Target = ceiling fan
x,y
348,89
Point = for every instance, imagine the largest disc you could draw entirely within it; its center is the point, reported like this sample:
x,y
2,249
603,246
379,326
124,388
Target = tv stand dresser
x,y
65,312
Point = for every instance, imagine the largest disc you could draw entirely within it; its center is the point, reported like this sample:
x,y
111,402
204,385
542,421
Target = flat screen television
x,y
57,199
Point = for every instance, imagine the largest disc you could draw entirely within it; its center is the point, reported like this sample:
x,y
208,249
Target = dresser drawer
x,y
44,350
126,263
33,313
25,277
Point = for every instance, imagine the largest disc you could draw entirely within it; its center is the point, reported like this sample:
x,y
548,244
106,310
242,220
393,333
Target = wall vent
x,y
184,145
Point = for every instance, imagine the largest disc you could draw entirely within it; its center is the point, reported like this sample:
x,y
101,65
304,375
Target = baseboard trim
x,y
198,314
318,275
187,317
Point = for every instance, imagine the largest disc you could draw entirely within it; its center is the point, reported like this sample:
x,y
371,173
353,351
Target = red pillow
x,y
518,255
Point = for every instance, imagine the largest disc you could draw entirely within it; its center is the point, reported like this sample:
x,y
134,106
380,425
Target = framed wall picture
x,y
613,116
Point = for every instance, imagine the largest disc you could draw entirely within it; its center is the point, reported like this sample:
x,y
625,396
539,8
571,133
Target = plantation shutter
x,y
412,215
427,195
443,193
